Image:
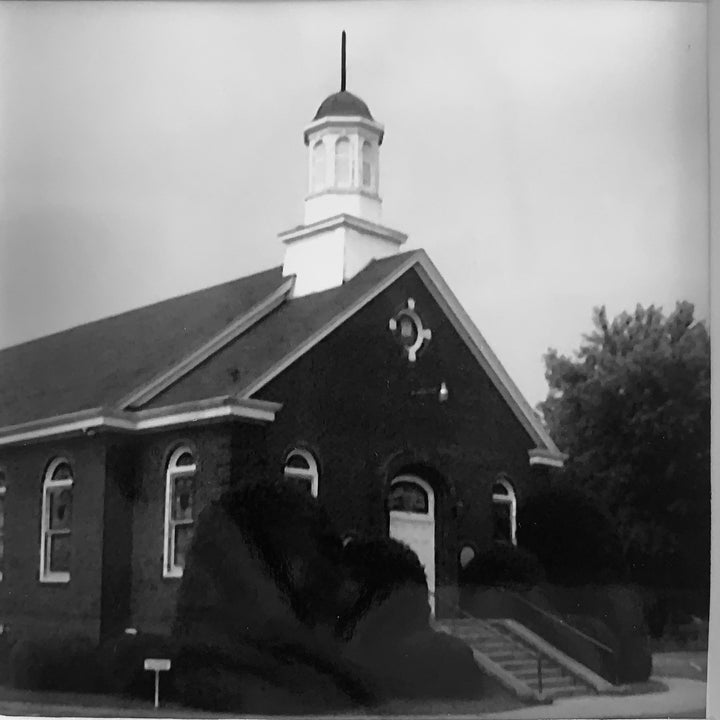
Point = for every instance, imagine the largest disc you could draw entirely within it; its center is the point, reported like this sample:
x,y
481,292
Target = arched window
x,y
318,166
179,510
56,525
504,512
367,164
410,497
3,489
301,468
466,555
343,166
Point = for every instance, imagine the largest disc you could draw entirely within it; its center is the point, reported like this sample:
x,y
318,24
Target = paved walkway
x,y
684,698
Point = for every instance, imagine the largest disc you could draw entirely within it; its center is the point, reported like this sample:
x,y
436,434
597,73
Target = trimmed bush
x,y
574,539
503,566
619,609
122,662
391,599
61,664
258,603
422,665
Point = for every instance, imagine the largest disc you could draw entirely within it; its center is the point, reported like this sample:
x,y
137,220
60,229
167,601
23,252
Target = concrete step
x,y
503,656
495,645
530,671
555,683
479,636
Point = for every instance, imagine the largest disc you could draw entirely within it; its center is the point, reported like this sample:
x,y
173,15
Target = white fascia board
x,y
152,389
483,353
173,416
344,121
356,223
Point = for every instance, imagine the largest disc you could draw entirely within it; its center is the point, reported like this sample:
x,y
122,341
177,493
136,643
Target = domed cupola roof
x,y
343,103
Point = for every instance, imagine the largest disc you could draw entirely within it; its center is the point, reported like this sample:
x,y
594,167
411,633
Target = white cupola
x,y
342,231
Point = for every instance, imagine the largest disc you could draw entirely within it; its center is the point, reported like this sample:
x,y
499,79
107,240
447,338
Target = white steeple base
x,y
324,254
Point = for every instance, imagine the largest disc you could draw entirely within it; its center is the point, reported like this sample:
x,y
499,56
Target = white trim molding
x,y
344,121
310,473
144,394
463,325
509,498
332,325
538,456
483,352
174,472
99,419
344,220
47,533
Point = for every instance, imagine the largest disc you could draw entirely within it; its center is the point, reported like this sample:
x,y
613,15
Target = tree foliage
x,y
574,539
632,410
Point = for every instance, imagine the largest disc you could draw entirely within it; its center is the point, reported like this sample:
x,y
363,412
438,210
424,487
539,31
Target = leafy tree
x,y
574,539
632,409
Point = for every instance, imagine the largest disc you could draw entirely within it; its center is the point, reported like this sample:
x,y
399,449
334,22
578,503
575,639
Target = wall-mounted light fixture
x,y
442,392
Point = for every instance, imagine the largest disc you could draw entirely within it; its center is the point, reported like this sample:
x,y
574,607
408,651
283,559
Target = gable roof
x,y
98,363
285,335
140,361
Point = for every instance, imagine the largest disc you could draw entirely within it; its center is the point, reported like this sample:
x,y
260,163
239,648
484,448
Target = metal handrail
x,y
564,623
469,616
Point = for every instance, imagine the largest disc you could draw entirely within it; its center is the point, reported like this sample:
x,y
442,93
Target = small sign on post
x,y
157,665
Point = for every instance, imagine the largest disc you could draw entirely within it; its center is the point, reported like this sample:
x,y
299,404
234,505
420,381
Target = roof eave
x,y
84,422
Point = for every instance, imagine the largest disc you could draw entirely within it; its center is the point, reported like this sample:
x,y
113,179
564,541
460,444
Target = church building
x,y
352,369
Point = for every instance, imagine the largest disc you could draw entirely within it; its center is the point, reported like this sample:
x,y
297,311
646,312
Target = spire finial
x,y
342,63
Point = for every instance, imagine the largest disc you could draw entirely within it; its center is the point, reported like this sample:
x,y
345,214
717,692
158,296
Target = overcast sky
x,y
549,156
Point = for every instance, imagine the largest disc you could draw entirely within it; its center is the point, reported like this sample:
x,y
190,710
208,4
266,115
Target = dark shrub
x,y
122,661
63,664
422,665
617,608
574,539
392,593
503,565
258,603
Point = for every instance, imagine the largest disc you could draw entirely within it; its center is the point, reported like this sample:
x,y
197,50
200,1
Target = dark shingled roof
x,y
99,363
270,341
343,103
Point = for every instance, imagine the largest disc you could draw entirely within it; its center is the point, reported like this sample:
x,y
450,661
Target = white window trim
x,y
310,474
46,575
174,471
3,492
511,500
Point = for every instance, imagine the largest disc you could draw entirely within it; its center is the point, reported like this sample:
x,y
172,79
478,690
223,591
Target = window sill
x,y
55,578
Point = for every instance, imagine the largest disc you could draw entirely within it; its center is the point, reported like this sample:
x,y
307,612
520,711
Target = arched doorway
x,y
412,521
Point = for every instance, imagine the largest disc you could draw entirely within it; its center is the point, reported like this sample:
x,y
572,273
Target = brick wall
x,y
350,400
29,607
220,451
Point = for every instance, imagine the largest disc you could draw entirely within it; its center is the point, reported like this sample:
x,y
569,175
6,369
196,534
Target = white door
x,y
412,521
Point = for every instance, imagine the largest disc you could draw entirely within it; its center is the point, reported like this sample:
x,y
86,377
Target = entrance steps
x,y
522,661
